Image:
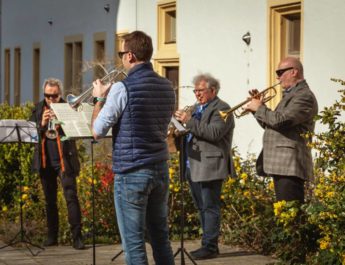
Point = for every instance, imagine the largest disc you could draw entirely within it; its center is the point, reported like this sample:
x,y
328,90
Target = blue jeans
x,y
141,201
206,197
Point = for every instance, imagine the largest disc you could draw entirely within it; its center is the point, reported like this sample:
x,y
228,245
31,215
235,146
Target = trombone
x,y
238,110
76,101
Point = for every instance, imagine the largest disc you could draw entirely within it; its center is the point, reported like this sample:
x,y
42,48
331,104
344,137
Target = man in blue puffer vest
x,y
138,110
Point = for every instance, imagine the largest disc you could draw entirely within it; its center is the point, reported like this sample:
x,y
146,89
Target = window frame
x,y
73,68
36,72
277,9
163,9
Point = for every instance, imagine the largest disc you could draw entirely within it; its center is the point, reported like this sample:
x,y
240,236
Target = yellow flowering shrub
x,y
312,233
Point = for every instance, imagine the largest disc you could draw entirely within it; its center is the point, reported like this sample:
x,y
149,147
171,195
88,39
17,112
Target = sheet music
x,y
178,125
75,124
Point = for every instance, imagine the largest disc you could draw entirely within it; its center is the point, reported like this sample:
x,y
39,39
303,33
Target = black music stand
x,y
93,206
118,254
180,141
19,131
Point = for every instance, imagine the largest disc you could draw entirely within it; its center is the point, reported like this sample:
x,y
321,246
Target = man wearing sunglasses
x,y
138,110
54,158
285,155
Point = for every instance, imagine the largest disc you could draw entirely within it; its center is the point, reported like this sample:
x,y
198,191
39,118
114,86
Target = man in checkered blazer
x,y
285,155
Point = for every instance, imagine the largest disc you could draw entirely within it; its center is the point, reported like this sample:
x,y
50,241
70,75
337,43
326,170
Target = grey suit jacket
x,y
209,151
285,151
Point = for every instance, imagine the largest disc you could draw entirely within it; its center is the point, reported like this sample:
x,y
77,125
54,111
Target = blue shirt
x,y
115,104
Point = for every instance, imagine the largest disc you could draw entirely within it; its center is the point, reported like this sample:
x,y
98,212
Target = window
x,y
17,74
291,35
36,75
285,36
99,59
166,59
170,27
73,65
99,55
7,76
167,25
172,73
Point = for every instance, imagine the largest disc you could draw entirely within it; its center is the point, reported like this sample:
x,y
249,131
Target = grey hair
x,y
53,82
212,83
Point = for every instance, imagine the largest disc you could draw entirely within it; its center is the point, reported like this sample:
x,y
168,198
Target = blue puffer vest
x,y
139,137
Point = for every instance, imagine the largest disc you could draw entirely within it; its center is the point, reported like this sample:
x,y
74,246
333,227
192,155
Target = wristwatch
x,y
98,99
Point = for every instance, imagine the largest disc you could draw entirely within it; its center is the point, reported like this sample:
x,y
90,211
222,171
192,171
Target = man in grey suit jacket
x,y
209,158
285,155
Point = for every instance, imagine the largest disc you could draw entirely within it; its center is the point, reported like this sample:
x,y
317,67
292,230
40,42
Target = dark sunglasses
x,y
280,72
51,95
121,54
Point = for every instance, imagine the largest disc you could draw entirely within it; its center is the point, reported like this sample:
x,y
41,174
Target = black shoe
x,y
51,241
78,243
194,251
197,250
203,253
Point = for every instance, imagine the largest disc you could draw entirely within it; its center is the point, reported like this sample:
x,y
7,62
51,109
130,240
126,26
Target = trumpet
x,y
76,101
238,111
175,127
51,132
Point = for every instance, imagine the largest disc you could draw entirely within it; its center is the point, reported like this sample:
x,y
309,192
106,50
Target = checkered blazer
x,y
285,151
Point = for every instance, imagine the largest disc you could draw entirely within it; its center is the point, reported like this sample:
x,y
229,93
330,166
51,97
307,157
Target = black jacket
x,y
69,148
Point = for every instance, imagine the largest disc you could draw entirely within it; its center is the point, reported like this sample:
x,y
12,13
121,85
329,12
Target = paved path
x,y
104,253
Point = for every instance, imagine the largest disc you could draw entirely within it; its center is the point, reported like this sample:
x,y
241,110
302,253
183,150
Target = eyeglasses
x,y
121,54
280,72
199,91
51,95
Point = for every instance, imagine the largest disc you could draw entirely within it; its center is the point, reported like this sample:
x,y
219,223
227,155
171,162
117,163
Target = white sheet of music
x,y
75,124
178,125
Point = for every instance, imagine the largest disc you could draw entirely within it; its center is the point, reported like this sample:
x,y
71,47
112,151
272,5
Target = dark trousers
x,y
288,188
49,183
206,197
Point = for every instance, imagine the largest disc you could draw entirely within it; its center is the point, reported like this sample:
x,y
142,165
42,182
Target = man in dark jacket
x,y
54,158
138,110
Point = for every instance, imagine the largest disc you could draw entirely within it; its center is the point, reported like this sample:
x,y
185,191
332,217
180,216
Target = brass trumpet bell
x,y
238,110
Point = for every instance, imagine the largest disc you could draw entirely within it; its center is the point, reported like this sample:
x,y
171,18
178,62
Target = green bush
x,y
327,209
15,168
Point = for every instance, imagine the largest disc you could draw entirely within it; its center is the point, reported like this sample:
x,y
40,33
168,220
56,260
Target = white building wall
x,y
324,47
210,40
138,15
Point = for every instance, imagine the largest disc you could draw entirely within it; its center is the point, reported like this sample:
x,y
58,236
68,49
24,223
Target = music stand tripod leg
x,y
118,254
93,205
22,233
181,249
